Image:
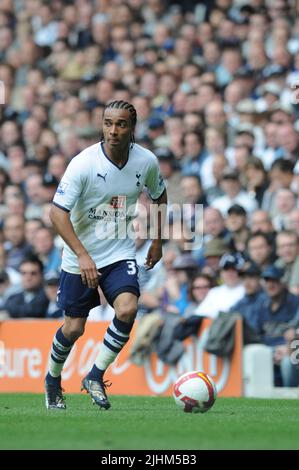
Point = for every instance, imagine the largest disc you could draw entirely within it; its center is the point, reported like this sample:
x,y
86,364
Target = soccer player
x,y
92,210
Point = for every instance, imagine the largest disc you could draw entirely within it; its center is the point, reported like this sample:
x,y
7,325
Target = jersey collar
x,y
111,161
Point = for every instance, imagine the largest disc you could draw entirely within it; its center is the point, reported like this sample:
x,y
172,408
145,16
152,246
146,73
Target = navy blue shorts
x,y
76,299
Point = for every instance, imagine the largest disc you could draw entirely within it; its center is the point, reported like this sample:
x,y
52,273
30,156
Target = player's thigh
x,y
121,278
74,297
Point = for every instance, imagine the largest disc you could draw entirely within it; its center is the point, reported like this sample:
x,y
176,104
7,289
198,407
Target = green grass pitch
x,y
147,423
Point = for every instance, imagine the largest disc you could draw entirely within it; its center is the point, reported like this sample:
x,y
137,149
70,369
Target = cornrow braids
x,y
120,104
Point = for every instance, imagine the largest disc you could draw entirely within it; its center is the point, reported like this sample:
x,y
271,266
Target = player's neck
x,y
119,156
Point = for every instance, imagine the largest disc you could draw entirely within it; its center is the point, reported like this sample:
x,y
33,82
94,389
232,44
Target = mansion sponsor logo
x,y
115,211
107,215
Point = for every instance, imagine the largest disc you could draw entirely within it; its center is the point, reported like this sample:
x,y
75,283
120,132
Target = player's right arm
x,y
68,192
64,227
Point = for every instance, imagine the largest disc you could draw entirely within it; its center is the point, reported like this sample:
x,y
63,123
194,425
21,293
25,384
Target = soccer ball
x,y
194,392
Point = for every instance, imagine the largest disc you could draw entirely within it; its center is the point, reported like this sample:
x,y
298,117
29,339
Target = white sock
x,y
61,347
117,335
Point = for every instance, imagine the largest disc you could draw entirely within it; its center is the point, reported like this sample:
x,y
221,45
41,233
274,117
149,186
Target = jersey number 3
x,y
131,268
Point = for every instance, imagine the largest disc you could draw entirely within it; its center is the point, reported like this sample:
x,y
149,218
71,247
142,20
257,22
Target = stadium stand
x,y
216,93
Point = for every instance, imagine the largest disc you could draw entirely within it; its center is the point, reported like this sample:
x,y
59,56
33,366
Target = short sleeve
x,y
154,180
70,186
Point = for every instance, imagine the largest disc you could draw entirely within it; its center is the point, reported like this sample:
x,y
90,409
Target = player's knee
x,y
76,333
73,331
127,313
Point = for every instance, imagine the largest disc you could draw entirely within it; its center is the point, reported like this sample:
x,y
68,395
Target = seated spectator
x,y
260,249
31,302
174,297
249,305
189,324
233,193
213,251
194,152
31,227
261,222
199,288
150,295
277,314
215,141
193,199
172,176
160,323
287,248
280,176
14,276
218,164
44,248
56,165
15,205
236,223
269,153
6,290
222,298
33,186
256,179
293,221
214,225
213,228
15,244
285,202
51,284
49,186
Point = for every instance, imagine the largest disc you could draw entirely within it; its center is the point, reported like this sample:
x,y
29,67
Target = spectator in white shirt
x,y
222,298
233,194
285,202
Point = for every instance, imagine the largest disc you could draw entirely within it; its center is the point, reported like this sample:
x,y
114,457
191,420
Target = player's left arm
x,y
155,250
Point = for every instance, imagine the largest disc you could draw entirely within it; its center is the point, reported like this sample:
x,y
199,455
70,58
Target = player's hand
x,y
290,335
154,255
88,270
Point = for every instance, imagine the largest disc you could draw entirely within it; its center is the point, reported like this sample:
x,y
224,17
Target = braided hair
x,y
120,104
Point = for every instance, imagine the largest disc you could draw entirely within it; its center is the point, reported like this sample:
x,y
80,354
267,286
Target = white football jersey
x,y
102,200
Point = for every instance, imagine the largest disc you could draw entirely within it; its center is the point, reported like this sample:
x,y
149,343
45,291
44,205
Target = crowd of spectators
x,y
214,86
